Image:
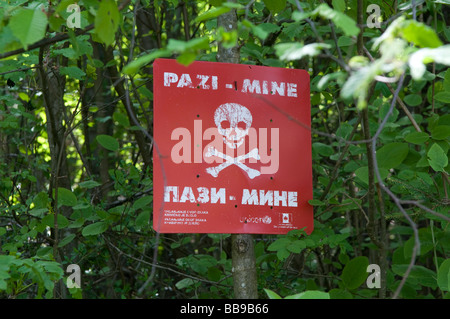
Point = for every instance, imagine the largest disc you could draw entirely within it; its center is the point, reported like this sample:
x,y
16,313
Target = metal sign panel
x,y
232,149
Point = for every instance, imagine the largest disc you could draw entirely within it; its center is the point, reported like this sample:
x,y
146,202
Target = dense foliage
x,y
75,147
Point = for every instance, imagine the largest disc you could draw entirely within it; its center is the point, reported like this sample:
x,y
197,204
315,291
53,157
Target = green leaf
x,y
357,84
66,240
186,58
188,49
214,274
212,13
341,20
443,275
80,45
258,31
418,59
184,283
310,294
337,76
447,81
296,246
134,66
28,25
420,34
345,41
66,197
271,294
417,137
228,39
6,261
355,272
108,142
142,219
443,96
440,132
142,202
322,149
413,99
339,5
363,174
444,119
51,266
121,118
296,51
316,202
426,277
41,200
275,6
392,155
437,158
77,223
283,253
407,5
269,27
107,21
279,244
216,3
94,229
49,220
73,72
412,31
340,294
192,45
89,184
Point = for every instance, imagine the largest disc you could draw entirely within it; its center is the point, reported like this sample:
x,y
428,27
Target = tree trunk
x,y
143,144
245,281
243,255
53,84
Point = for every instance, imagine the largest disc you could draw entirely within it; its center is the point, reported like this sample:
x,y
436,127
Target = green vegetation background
x,y
75,147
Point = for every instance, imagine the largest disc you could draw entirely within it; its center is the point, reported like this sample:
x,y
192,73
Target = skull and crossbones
x,y
233,122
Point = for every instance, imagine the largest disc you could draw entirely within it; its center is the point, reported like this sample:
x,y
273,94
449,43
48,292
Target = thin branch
x,y
317,34
19,70
396,200
126,99
399,100
156,265
186,23
334,173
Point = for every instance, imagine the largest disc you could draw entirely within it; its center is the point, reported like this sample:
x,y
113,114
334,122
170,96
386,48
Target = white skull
x,y
233,122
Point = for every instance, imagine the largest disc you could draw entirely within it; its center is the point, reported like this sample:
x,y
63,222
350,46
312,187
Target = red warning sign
x,y
232,149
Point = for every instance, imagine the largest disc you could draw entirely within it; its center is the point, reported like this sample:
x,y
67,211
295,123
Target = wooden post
x,y
243,254
245,281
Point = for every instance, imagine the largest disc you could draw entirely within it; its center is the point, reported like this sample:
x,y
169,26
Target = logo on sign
x,y
256,220
286,218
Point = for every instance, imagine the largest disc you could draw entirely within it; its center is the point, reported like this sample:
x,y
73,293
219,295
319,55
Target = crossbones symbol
x,y
233,122
214,171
